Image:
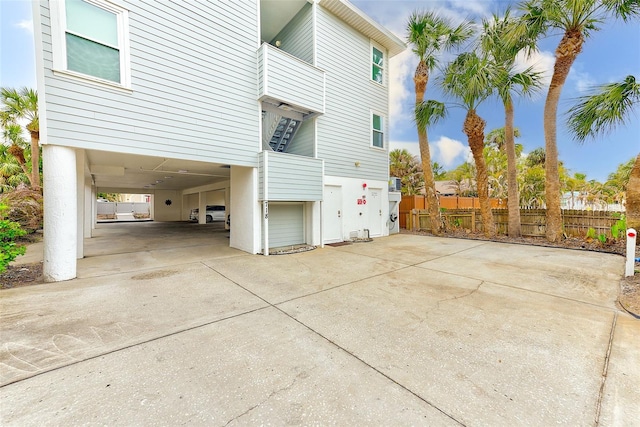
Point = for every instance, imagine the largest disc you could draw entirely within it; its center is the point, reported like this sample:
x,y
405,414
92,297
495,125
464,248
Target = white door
x,y
332,214
286,224
374,206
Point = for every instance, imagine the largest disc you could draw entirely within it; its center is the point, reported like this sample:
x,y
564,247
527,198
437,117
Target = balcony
x,y
289,82
288,177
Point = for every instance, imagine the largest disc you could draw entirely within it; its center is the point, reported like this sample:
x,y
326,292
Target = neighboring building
x,y
276,109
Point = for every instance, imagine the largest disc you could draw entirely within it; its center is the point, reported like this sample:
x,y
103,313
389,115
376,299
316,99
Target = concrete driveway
x,y
165,329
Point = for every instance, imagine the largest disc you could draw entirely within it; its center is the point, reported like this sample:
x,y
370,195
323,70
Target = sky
x,y
609,55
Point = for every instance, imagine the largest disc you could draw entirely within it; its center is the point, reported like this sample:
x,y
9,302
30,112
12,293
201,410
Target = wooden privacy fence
x,y
409,203
533,221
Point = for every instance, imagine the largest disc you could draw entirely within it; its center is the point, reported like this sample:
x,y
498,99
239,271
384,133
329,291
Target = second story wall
x,y
297,37
344,132
192,87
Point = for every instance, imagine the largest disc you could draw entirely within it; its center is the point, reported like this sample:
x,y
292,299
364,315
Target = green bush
x,y
9,232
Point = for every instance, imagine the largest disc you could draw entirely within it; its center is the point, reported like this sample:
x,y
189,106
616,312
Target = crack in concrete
x,y
473,291
605,369
265,400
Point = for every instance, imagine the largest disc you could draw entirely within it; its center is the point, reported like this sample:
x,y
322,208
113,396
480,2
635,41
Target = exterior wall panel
x,y
344,131
177,77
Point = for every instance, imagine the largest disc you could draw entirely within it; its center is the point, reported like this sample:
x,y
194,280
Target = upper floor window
x,y
377,65
377,131
92,38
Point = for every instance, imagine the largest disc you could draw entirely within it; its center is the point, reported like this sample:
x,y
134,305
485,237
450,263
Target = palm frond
x,y
428,113
600,113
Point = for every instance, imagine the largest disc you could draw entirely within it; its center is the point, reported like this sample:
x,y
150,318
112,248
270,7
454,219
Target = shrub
x,y
9,232
24,207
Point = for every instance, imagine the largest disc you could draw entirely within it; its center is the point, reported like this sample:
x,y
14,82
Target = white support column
x,y
88,207
265,228
60,213
80,163
227,207
245,222
202,208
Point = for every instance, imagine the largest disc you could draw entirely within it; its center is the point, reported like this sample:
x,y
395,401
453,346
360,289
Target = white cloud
x,y
449,151
26,25
583,80
542,62
401,66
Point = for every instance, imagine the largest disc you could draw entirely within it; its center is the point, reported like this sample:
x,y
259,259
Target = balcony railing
x,y
289,82
289,177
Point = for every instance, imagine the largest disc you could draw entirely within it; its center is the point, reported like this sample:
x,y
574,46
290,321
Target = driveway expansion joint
x,y
605,369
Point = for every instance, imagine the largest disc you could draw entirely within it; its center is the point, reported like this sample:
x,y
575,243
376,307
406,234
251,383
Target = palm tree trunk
x,y
35,160
420,79
474,129
513,197
633,197
566,53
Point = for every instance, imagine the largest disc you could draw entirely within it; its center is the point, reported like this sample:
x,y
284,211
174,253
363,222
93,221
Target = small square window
x,y
377,131
377,65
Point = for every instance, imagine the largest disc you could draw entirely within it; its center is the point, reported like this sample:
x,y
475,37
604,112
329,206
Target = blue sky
x,y
609,55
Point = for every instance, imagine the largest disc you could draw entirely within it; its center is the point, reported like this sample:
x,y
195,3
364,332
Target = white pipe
x,y
631,252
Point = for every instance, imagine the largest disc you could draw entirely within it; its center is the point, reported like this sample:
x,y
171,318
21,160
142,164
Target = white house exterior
x,y
277,109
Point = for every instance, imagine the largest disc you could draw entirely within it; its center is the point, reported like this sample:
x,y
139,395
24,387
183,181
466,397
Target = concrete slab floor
x,y
449,332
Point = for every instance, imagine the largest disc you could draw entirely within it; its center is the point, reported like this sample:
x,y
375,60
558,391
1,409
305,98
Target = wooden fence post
x,y
473,220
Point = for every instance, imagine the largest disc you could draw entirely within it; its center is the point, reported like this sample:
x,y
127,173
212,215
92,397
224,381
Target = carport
x,y
176,186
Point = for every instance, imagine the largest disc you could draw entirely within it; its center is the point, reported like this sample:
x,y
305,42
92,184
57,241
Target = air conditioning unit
x,y
395,184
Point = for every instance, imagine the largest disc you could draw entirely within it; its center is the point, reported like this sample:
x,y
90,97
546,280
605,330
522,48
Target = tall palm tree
x,y
23,104
496,43
468,79
576,20
430,35
598,114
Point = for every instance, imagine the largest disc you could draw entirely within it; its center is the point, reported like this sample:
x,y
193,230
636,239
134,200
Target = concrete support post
x,y
245,223
88,207
227,204
60,213
202,208
265,228
80,163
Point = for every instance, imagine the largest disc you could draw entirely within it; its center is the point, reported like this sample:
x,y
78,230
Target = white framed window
x,y
91,41
377,65
377,130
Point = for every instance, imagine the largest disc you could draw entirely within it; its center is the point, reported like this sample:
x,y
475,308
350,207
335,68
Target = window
x,y
377,131
377,65
92,40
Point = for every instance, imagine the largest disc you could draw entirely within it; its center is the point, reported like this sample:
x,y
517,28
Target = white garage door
x,y
286,224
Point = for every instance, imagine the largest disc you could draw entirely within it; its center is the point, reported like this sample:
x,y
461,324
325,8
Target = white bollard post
x,y
631,252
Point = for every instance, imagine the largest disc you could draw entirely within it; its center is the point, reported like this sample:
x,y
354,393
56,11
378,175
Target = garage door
x,y
286,224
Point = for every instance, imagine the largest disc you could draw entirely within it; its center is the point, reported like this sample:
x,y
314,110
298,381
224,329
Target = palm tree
x,y
430,35
598,114
405,166
495,41
468,79
23,104
576,20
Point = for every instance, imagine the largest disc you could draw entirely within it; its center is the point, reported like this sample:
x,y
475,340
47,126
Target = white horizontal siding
x,y
292,178
297,36
193,73
290,79
303,142
344,131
